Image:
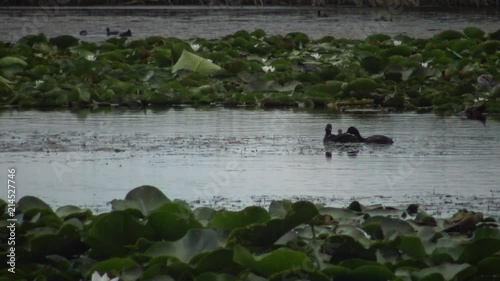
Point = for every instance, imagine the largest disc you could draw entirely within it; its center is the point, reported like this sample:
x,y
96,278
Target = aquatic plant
x,y
149,236
62,71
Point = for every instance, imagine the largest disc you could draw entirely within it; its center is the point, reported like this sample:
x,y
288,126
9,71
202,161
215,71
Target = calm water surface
x,y
214,22
229,158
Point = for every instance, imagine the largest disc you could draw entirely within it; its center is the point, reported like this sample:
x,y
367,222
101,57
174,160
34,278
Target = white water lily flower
x,y
480,99
90,57
424,64
38,82
97,277
316,56
397,43
210,60
195,47
268,69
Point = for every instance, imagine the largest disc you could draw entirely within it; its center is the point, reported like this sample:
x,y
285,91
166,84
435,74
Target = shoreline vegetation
x,y
446,73
314,3
148,236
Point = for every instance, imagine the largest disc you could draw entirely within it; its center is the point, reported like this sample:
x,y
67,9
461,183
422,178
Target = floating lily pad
x,y
195,242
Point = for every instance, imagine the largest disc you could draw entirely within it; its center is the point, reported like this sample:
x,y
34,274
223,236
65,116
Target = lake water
x,y
231,158
213,22
234,157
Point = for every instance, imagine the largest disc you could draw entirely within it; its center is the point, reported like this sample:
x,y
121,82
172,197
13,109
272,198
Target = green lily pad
x,y
69,211
29,205
484,243
448,272
266,234
64,242
210,276
271,263
195,63
195,242
489,266
113,266
229,220
109,234
144,198
172,221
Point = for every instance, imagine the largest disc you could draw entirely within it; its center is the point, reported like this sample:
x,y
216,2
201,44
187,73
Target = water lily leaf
x,y
195,63
300,274
279,209
484,243
287,87
260,85
9,61
229,220
64,242
262,235
195,242
413,247
339,273
30,205
447,271
210,276
372,273
69,211
489,266
204,214
113,266
110,233
391,226
172,221
274,262
144,198
342,247
220,260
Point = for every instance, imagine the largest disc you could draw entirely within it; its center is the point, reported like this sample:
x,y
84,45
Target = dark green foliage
x,y
439,72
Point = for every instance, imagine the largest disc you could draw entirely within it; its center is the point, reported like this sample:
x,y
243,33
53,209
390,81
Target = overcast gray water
x,y
231,158
214,22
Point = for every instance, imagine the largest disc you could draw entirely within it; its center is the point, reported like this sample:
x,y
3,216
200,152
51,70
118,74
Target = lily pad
x,y
195,242
144,198
195,63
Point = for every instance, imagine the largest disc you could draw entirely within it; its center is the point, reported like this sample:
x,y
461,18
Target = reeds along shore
x,y
355,3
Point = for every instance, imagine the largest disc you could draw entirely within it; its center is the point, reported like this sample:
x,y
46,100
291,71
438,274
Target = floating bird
x,y
109,32
341,137
83,32
322,15
379,139
127,33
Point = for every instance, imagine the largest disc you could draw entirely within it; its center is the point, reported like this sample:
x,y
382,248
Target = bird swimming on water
x,y
379,139
322,15
83,32
341,137
111,32
127,33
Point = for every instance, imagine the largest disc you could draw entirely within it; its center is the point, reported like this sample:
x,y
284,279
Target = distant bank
x,y
450,4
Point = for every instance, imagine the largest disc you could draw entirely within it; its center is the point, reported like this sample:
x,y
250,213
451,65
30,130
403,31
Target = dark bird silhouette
x,y
83,32
379,139
341,137
322,15
127,33
109,32
475,112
